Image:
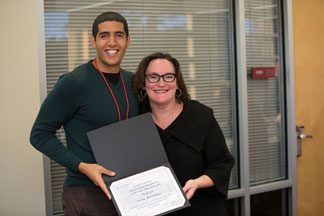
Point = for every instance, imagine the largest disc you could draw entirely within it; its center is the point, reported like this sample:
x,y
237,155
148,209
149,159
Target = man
x,y
93,95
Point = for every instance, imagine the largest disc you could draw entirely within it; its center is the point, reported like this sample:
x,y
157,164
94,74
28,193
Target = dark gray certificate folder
x,y
129,147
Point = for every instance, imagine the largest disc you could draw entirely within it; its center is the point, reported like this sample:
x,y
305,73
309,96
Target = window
x,y
260,204
265,107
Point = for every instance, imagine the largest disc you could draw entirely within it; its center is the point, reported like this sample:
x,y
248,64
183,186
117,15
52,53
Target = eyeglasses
x,y
154,78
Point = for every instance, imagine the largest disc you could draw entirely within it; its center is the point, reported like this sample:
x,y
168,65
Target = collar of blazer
x,y
192,125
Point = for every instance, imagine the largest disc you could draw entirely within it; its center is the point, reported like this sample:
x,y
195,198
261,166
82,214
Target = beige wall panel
x,y
22,181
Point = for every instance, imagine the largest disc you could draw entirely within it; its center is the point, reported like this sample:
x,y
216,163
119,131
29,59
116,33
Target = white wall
x,y
21,166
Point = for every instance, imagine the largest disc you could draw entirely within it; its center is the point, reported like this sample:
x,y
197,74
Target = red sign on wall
x,y
263,72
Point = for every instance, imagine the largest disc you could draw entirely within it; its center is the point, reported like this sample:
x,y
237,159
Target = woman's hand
x,y
192,185
190,188
94,173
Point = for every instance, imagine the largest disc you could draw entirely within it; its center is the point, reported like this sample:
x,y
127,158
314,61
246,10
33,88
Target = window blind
x,y
265,109
198,33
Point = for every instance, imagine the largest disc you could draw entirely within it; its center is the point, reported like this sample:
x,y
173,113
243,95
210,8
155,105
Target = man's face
x,y
111,43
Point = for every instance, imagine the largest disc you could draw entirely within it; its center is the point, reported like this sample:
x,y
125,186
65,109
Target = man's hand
x,y
94,172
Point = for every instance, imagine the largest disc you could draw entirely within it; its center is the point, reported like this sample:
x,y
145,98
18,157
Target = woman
x,y
191,136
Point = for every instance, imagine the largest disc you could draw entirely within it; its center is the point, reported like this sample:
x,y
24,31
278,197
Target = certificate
x,y
148,193
144,183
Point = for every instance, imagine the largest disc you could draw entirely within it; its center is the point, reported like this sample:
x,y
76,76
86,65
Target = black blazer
x,y
195,145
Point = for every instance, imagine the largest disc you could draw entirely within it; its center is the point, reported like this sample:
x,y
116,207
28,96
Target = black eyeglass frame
x,y
147,76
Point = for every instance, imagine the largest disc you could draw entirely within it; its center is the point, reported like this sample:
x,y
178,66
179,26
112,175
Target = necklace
x,y
112,93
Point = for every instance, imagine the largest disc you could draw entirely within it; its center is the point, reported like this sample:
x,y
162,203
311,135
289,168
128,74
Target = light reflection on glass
x,y
72,49
168,21
56,25
190,47
85,45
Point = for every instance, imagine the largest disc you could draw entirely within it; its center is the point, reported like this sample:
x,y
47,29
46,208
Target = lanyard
x,y
111,92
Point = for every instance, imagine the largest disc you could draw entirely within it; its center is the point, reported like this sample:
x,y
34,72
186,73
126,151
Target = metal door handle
x,y
303,136
300,136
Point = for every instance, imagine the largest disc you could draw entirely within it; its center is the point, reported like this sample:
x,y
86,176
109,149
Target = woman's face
x,y
161,92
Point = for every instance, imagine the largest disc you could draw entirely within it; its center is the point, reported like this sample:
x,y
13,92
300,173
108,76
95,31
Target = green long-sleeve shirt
x,y
80,102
